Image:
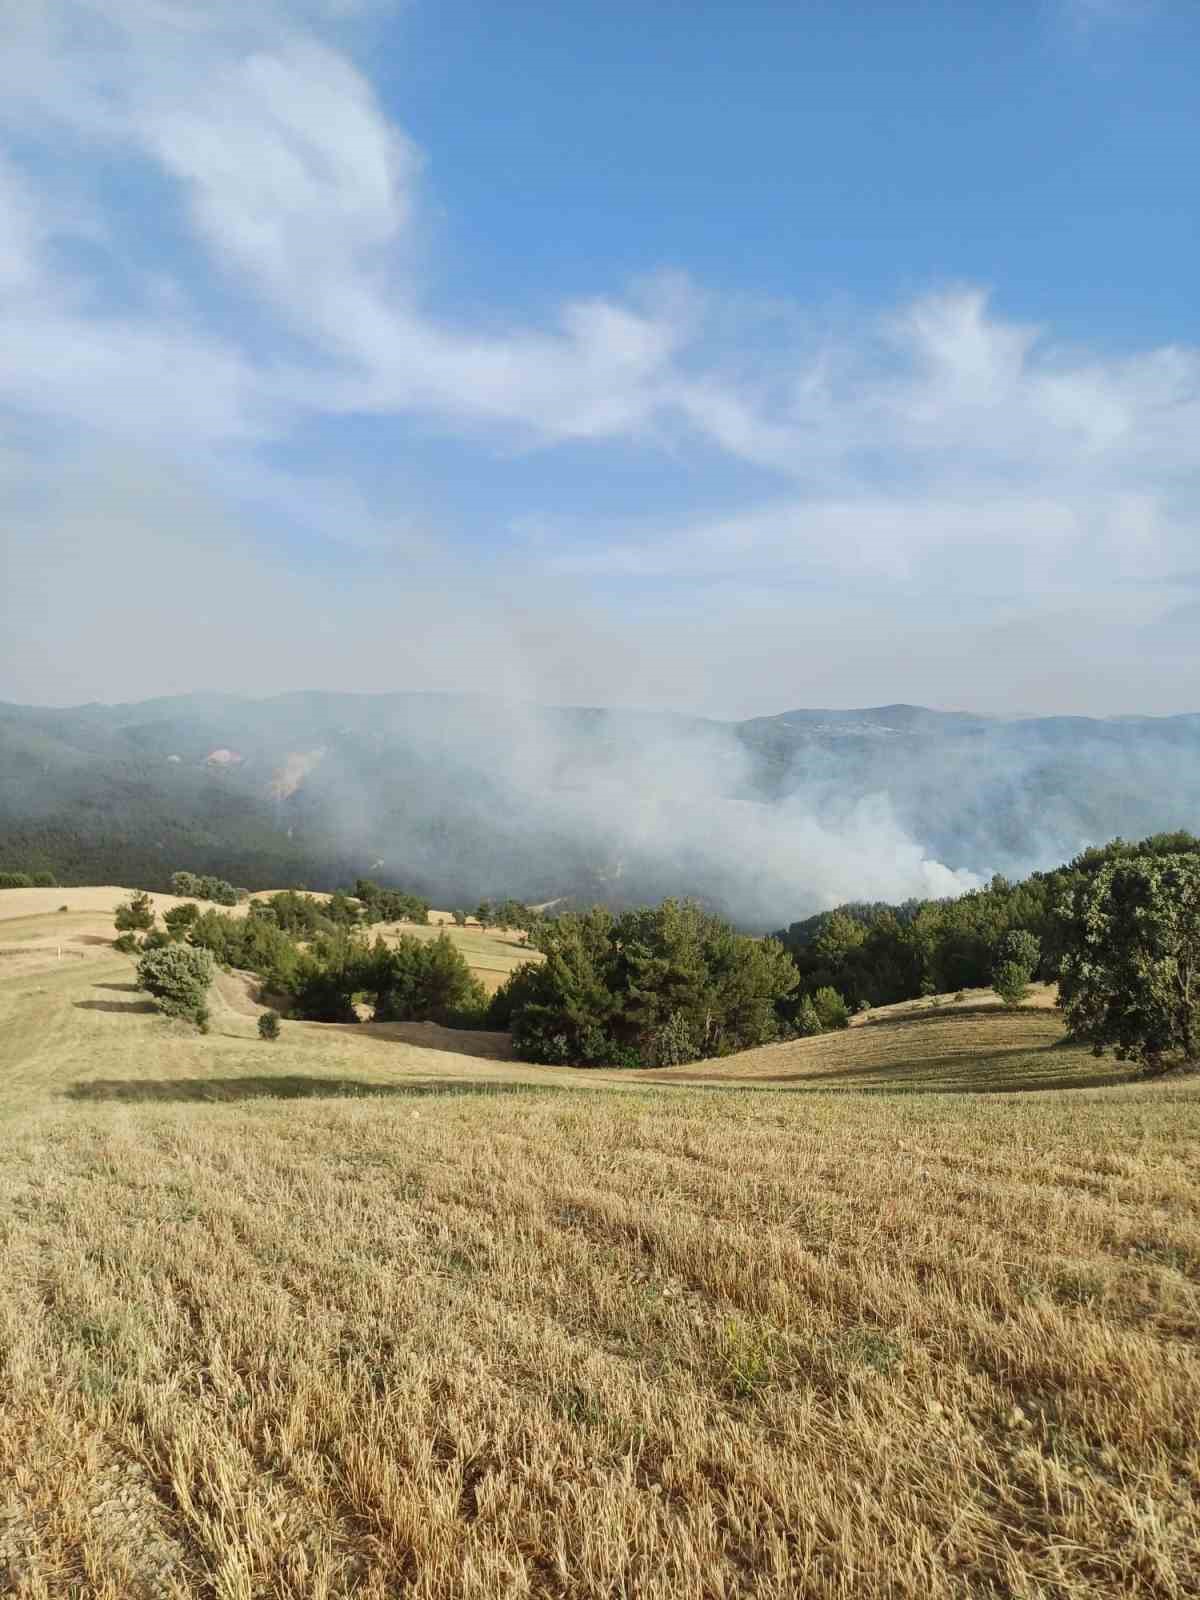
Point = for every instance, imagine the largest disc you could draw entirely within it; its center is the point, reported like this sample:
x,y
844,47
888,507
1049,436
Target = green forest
x,y
665,985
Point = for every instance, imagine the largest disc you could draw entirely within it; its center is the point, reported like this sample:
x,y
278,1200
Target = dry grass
x,y
101,900
34,929
349,1315
490,953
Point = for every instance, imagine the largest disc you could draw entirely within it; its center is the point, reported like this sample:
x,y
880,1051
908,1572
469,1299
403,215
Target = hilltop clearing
x,y
375,1309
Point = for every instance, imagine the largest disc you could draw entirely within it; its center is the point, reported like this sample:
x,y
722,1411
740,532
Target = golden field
x,y
910,1310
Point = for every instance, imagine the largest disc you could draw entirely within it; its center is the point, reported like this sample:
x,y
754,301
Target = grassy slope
x,y
348,1315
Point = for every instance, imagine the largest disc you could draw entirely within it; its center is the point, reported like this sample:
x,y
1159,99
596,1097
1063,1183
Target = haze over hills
x,y
467,796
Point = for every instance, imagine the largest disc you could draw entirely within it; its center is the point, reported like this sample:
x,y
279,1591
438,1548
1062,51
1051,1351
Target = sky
x,y
716,357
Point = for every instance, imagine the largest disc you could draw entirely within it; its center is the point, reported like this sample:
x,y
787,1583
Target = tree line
x,y
1118,927
880,954
311,956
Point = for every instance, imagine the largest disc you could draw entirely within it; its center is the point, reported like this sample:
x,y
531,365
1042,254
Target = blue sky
x,y
721,357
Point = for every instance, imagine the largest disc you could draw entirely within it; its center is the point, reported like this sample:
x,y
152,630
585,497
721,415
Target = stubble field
x,y
354,1314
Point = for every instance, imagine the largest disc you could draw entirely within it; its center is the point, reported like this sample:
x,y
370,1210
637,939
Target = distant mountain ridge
x,y
462,796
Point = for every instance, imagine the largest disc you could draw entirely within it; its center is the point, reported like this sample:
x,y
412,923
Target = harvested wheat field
x,y
351,1314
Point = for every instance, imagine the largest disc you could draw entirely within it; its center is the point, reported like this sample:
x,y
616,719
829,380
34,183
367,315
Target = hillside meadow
x,y
910,1310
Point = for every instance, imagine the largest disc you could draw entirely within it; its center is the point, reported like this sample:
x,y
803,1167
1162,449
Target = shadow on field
x,y
285,1087
431,1036
119,988
122,1007
998,1072
955,1013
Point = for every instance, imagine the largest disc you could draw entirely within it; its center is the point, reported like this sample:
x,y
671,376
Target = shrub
x,y
15,880
195,886
180,918
135,915
178,976
45,880
1011,982
831,1009
806,1024
126,943
1022,949
268,1025
673,1044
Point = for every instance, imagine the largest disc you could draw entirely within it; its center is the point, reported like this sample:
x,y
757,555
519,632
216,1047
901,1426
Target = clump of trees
x,y
1129,976
389,905
505,915
252,943
418,980
178,977
135,915
28,880
653,987
881,954
203,887
324,970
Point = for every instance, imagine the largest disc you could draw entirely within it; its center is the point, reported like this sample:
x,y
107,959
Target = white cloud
x,y
940,449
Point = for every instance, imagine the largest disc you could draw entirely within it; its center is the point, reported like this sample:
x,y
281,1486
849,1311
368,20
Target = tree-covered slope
x,y
464,796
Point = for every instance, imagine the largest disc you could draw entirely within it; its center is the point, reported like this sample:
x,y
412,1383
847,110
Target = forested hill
x,y
464,796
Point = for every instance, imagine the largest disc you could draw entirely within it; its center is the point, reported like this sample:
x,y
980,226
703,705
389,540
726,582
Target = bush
x,y
203,887
268,1025
135,915
45,880
15,880
1011,983
673,1044
1020,948
180,918
178,976
831,1009
126,943
806,1023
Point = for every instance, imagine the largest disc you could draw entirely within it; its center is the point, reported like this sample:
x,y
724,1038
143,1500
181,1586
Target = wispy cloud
x,y
283,282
